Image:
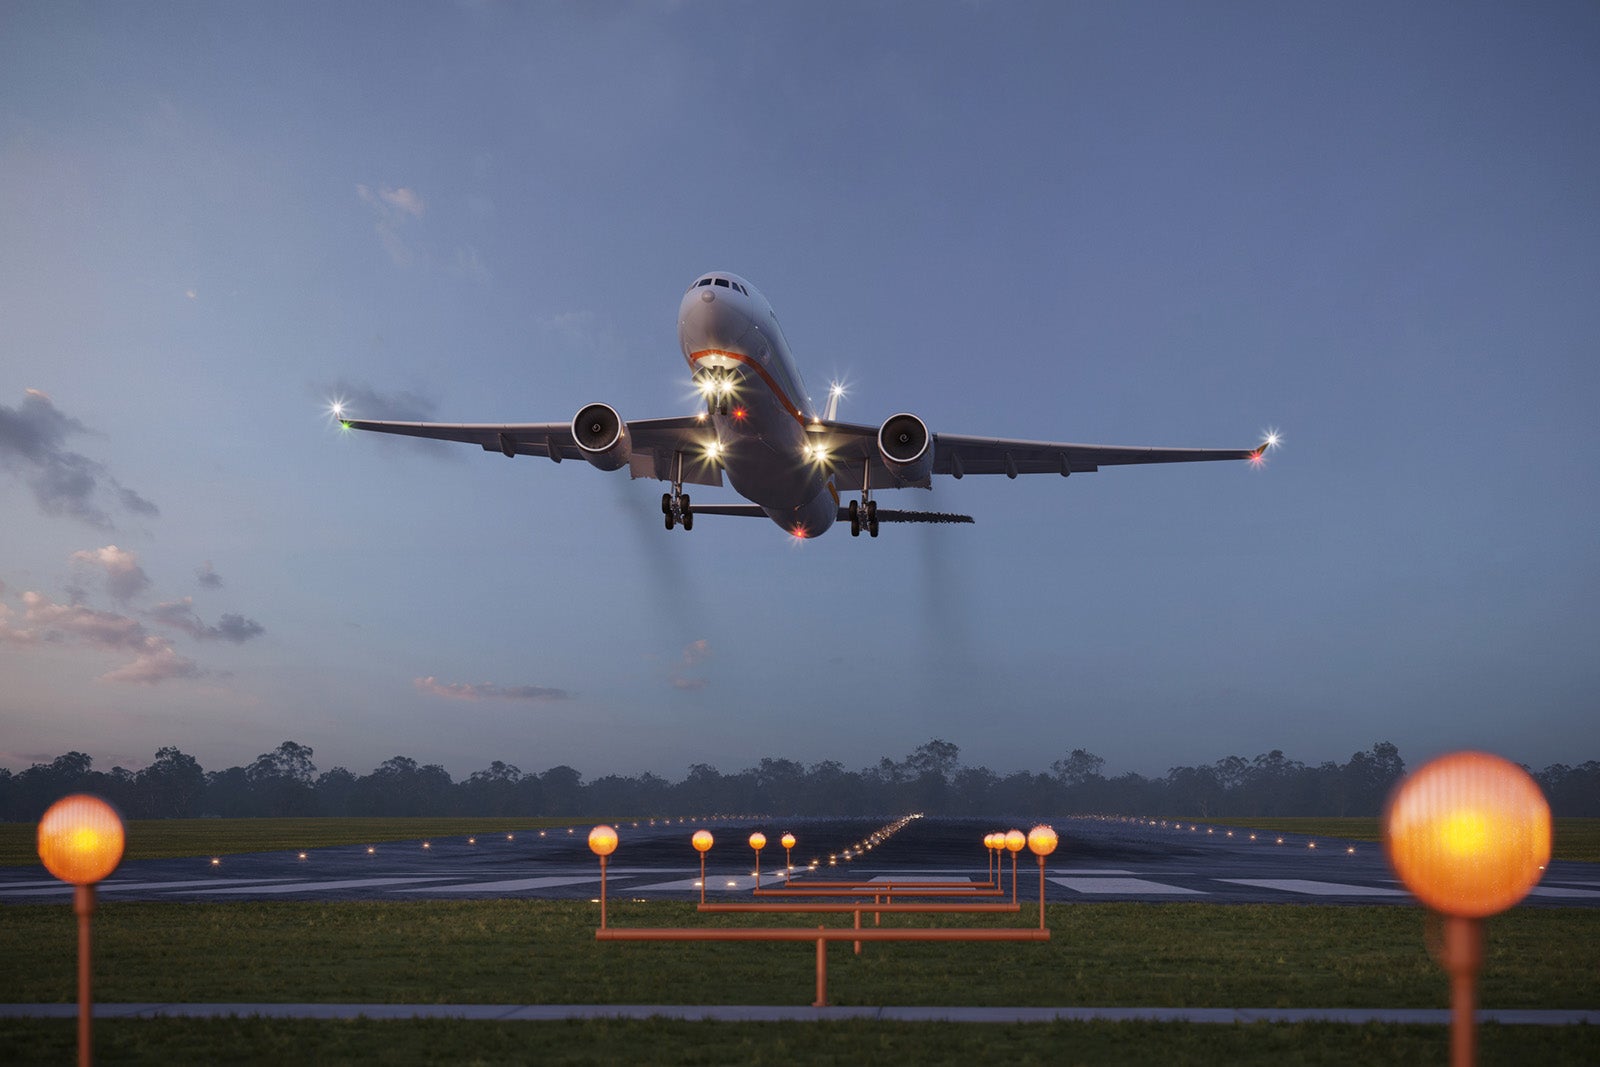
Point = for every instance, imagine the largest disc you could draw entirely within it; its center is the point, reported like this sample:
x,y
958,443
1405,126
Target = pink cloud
x,y
487,691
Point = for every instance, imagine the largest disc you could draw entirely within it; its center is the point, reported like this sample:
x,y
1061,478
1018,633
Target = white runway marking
x,y
1555,891
510,885
1093,874
1121,885
1316,889
59,887
904,878
317,887
683,885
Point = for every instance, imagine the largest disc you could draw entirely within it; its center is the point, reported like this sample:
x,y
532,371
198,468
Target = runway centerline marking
x,y
1316,889
317,887
1123,885
509,885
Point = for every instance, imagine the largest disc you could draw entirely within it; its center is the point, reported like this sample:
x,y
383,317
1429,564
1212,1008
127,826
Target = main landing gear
x,y
864,512
675,505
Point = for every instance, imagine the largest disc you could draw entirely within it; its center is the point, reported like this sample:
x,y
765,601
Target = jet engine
x,y
602,436
906,448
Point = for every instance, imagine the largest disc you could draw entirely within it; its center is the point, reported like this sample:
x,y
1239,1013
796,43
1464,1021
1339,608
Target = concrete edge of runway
x,y
782,1013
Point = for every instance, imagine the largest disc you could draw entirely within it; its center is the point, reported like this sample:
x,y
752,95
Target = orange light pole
x,y
1042,841
602,842
702,842
758,841
81,841
1015,842
1469,835
988,848
787,841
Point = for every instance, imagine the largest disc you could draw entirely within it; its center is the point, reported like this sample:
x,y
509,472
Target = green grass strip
x,y
661,1041
532,951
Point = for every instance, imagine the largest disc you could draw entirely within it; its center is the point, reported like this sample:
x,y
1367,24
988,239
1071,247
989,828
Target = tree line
x,y
931,779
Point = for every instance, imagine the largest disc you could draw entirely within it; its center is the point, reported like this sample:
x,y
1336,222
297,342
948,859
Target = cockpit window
x,y
702,281
741,288
721,281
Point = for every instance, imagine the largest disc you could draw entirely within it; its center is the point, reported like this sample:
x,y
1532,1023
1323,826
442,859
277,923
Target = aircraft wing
x,y
655,442
853,450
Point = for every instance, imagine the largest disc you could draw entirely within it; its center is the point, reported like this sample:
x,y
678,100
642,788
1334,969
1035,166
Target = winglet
x,y
1258,455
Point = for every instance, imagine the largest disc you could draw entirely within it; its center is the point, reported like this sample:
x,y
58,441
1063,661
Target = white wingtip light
x,y
1270,440
835,394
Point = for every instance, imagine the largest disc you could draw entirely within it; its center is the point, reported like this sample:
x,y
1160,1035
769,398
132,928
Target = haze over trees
x,y
931,779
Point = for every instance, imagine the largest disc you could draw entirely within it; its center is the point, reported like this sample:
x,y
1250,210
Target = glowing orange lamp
x,y
81,841
702,841
1469,835
1014,841
758,841
787,841
1042,840
602,842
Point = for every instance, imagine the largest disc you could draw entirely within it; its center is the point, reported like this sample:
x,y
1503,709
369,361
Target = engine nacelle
x,y
907,448
602,436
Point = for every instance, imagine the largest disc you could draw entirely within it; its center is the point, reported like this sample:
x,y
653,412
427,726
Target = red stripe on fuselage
x,y
761,372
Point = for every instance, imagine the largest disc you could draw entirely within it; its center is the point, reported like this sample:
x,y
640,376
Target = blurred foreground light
x,y
1468,834
702,840
81,839
758,840
1016,840
787,841
602,840
1042,840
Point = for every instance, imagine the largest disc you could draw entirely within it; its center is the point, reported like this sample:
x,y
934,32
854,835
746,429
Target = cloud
x,y
125,579
180,615
46,622
486,691
394,208
33,439
694,654
207,576
157,664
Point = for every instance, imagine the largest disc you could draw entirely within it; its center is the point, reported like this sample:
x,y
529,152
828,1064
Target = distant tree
x,y
336,792
492,791
283,780
172,787
229,795
1078,768
562,787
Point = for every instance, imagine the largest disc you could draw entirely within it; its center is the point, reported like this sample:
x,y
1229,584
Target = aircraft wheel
x,y
669,520
688,521
666,503
872,518
855,519
685,512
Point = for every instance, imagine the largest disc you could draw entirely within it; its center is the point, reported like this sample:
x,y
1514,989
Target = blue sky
x,y
1373,226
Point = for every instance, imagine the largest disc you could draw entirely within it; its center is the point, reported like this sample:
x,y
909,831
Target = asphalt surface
x,y
1098,859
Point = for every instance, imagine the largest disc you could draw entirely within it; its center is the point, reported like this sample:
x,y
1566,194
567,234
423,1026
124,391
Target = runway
x,y
1099,859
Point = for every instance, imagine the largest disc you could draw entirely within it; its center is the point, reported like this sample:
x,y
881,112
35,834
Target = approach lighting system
x,y
602,842
81,841
702,841
1042,841
1469,835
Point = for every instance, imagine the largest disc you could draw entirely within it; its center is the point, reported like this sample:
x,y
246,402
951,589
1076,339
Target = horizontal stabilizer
x,y
885,515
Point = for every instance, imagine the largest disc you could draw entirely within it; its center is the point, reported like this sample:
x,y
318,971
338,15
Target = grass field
x,y
518,951
855,1042
533,951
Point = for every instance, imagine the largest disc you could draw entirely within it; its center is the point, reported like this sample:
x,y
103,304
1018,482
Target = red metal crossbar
x,y
821,935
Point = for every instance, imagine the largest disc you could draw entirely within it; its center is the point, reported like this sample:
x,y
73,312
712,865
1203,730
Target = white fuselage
x,y
727,330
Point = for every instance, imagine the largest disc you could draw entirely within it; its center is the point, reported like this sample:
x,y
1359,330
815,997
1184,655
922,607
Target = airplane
x,y
762,432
